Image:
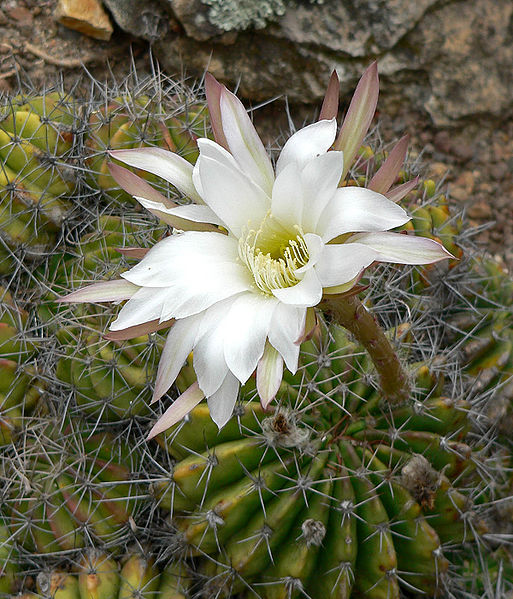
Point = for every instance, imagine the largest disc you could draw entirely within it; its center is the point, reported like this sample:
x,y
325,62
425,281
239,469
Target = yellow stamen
x,y
273,261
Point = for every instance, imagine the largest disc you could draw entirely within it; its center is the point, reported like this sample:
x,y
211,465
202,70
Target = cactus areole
x,y
258,249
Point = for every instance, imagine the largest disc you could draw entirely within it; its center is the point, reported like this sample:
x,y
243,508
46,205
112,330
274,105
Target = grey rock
x,y
147,19
193,16
467,50
452,59
353,27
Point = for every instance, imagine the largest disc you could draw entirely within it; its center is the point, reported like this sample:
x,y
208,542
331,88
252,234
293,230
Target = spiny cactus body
x,y
334,493
36,138
110,380
20,388
98,576
8,564
126,122
77,490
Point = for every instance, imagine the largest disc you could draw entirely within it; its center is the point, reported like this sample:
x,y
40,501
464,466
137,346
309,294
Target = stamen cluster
x,y
273,270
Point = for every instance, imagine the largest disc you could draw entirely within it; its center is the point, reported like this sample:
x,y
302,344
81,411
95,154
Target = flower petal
x,y
194,270
179,343
341,263
286,327
401,248
315,247
138,330
222,402
389,170
287,196
319,181
244,142
104,291
269,375
213,92
208,359
235,199
307,292
165,164
189,217
357,209
136,186
143,306
137,253
329,109
245,330
191,251
399,192
187,401
359,116
307,143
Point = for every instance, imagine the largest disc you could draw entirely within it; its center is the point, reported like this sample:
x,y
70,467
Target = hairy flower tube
x,y
257,249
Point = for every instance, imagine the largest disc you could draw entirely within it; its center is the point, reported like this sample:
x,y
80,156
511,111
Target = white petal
x,y
222,402
208,359
315,247
244,143
286,327
341,263
104,291
245,330
269,375
179,343
178,409
181,216
145,305
307,292
196,270
288,200
319,180
165,164
357,209
194,251
307,143
401,248
191,296
235,199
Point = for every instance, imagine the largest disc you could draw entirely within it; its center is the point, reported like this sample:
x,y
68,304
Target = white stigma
x,y
273,257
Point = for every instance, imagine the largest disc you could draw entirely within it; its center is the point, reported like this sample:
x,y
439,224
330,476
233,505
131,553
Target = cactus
x,y
110,380
486,575
36,140
20,388
76,489
132,120
100,577
333,492
97,253
8,564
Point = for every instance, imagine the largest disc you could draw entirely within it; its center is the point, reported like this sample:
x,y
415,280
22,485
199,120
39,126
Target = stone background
x,y
446,69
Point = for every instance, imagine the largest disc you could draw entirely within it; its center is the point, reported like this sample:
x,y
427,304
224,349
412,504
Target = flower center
x,y
273,255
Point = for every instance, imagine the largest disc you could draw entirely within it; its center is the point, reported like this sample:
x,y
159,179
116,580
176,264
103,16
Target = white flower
x,y
239,294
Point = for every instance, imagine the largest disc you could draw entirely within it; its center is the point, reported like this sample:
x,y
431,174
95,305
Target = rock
x,y
437,170
358,29
480,211
193,15
452,59
21,15
467,49
147,19
86,16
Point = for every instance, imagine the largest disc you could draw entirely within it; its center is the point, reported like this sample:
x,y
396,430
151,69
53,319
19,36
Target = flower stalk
x,y
349,312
